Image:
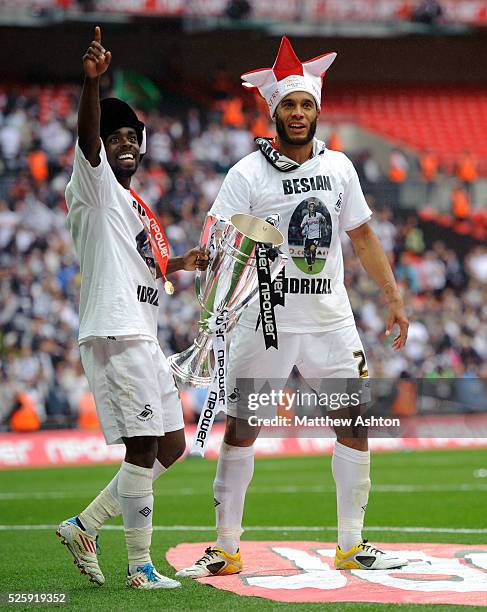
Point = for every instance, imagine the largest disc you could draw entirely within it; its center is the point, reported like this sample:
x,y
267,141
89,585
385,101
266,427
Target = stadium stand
x,y
443,280
441,119
360,11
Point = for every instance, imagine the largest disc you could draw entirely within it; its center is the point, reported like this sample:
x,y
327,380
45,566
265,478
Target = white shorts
x,y
133,386
337,354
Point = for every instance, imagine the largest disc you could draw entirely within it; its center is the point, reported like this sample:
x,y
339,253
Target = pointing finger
x,y
91,56
96,45
97,34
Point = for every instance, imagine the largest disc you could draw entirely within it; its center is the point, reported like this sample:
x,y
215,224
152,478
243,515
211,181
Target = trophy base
x,y
191,366
185,377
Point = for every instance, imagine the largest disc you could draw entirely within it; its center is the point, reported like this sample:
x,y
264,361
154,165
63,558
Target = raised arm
x,y
95,62
371,254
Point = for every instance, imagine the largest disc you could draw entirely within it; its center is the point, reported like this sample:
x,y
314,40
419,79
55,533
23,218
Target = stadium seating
x,y
475,225
447,120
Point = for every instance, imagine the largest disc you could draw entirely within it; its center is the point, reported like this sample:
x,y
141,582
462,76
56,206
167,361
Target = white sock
x,y
99,511
107,505
137,502
157,470
233,475
138,547
351,471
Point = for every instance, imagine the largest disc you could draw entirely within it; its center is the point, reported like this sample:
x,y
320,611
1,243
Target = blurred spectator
x,y
37,162
476,263
385,230
398,166
238,9
429,166
406,272
398,173
418,341
334,142
460,202
411,237
406,397
232,112
58,411
466,171
24,417
371,168
428,12
10,141
404,10
433,272
223,84
259,126
55,138
455,276
87,417
87,6
367,169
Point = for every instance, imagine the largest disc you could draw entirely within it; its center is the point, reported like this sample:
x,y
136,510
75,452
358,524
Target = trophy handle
x,y
279,264
209,241
197,287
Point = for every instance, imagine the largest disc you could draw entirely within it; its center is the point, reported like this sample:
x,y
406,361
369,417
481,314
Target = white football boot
x,y
83,547
147,577
215,562
366,557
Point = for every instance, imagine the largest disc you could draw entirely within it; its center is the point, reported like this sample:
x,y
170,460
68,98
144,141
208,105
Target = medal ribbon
x,y
156,235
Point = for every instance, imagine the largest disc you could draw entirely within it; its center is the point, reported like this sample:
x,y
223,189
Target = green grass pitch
x,y
442,492
302,264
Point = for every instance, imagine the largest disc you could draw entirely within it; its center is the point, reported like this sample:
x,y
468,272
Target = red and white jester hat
x,y
289,74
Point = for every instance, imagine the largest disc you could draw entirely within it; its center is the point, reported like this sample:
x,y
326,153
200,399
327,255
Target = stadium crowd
x,y
445,293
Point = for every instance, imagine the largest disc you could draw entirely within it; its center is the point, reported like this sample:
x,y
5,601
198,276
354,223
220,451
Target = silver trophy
x,y
227,287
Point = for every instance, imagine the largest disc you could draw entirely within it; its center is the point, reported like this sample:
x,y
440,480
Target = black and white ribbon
x,y
216,398
277,159
267,316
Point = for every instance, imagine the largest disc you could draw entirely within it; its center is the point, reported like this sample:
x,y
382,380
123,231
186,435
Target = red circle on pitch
x,y
304,572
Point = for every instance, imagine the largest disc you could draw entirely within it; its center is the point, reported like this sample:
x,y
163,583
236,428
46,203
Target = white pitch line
x,y
188,491
264,528
385,488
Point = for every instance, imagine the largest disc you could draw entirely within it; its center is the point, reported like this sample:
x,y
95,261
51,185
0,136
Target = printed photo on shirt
x,y
309,235
145,251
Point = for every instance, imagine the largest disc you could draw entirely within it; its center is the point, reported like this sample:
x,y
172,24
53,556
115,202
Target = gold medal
x,y
168,287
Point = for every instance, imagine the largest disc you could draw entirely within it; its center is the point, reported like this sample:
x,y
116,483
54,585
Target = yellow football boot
x,y
366,557
215,562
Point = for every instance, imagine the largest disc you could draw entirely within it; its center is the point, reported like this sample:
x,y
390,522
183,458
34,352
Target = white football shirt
x,y
314,301
311,225
119,293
